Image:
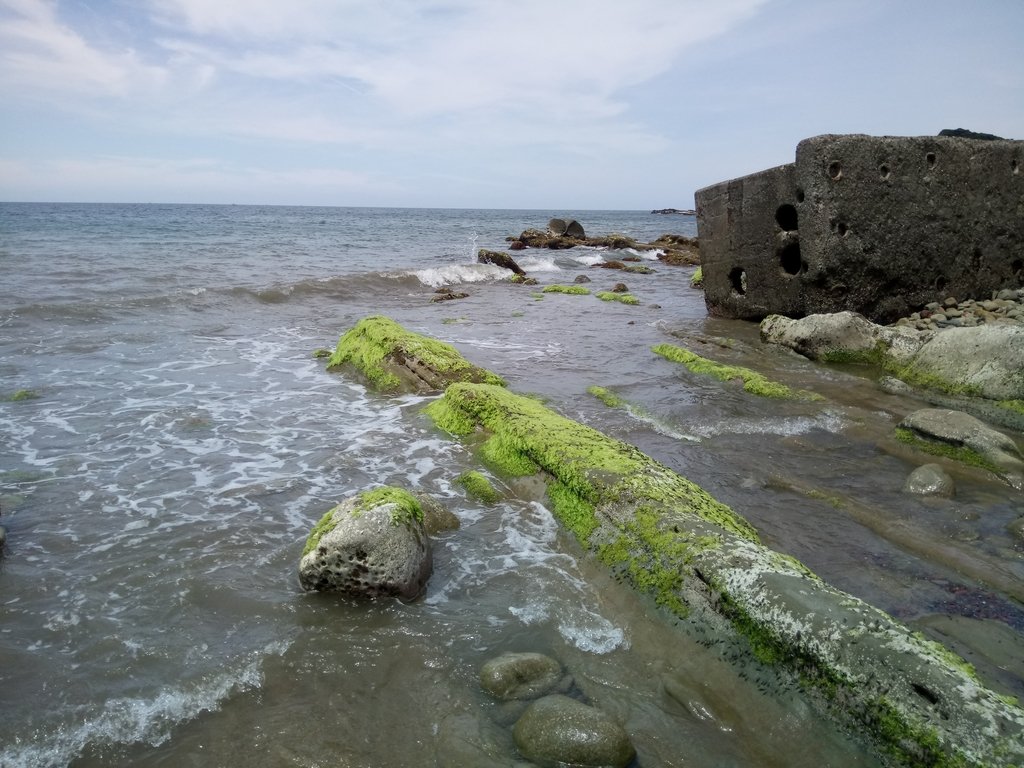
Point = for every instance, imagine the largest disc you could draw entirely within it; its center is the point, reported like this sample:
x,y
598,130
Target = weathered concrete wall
x,y
877,225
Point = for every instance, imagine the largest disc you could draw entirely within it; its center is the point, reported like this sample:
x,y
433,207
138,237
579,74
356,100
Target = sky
x,y
556,104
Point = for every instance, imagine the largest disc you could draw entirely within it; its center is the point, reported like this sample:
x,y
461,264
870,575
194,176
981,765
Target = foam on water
x,y
148,720
456,274
538,264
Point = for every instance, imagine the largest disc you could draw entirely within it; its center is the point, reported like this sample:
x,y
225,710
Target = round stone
x,y
930,480
520,675
557,731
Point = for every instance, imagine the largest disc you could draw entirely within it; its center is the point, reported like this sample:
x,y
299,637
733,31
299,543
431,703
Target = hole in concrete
x,y
789,258
928,695
738,278
884,171
940,283
976,259
930,159
841,229
835,170
786,217
1018,269
1015,166
800,194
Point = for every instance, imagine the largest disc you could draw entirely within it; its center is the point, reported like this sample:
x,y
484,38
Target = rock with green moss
x,y
961,437
704,563
753,382
479,487
622,298
394,359
576,290
985,361
371,545
22,395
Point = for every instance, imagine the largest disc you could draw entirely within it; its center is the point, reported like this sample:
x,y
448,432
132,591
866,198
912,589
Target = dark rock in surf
x,y
620,288
581,279
930,480
556,731
499,259
448,296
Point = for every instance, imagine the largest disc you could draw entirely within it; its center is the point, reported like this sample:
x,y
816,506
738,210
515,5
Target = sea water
x,y
180,439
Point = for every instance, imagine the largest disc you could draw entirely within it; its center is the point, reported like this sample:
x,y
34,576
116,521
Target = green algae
x,y
622,298
526,434
1017,406
537,296
753,382
697,279
575,290
21,395
405,509
320,354
607,397
377,344
960,453
479,487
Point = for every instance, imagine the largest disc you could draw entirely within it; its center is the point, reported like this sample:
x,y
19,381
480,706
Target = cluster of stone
x,y
1005,306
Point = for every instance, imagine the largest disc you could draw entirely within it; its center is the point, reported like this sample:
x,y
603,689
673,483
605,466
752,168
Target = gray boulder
x,y
961,436
556,731
520,676
986,361
370,545
929,480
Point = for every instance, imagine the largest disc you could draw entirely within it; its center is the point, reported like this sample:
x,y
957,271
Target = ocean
x,y
175,439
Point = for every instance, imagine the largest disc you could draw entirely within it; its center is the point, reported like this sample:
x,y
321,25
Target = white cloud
x,y
39,52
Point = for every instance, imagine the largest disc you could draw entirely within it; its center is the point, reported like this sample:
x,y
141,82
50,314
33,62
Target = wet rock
x,y
1016,529
520,676
930,480
961,436
581,279
985,361
371,545
620,288
499,259
557,731
448,296
3,536
436,517
470,740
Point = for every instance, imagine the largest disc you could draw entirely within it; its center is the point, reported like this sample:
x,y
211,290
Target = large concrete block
x,y
877,225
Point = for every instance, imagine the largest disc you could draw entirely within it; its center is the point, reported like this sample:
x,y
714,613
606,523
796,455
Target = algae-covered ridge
x,y
622,298
404,509
479,487
960,453
674,542
753,382
376,343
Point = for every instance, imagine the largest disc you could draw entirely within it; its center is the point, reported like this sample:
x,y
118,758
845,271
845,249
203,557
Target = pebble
x,y
1005,306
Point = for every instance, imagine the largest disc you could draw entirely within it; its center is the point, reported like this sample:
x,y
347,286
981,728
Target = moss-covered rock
x,y
753,382
703,563
21,395
697,279
394,359
479,487
622,298
576,290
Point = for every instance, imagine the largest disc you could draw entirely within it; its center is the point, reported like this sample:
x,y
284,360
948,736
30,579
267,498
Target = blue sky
x,y
567,104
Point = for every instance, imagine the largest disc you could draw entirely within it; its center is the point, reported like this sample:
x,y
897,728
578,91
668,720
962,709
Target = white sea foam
x,y
589,260
651,254
828,421
131,720
456,274
538,264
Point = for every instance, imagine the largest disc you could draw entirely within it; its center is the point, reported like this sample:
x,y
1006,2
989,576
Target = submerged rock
x,y
518,676
960,436
930,480
370,545
557,731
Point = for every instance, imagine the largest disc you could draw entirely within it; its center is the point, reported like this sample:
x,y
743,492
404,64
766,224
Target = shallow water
x,y
159,489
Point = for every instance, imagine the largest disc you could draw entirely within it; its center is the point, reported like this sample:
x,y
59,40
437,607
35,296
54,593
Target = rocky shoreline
x,y
1006,305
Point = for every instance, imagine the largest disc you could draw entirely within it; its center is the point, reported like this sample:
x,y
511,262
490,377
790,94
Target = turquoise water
x,y
183,440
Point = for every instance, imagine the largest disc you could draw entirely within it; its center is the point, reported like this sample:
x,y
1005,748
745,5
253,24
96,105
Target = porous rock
x,y
370,545
557,730
520,675
930,480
